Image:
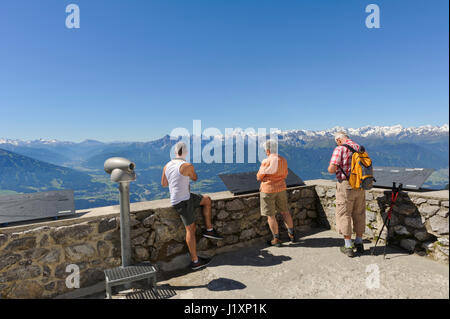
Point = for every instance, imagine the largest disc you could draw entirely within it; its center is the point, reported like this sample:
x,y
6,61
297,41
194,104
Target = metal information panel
x,y
24,207
242,183
411,178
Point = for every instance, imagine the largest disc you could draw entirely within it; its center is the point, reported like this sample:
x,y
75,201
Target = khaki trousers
x,y
272,202
350,208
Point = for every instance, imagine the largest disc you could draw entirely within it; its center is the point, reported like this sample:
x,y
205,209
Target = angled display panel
x,y
242,183
411,178
25,207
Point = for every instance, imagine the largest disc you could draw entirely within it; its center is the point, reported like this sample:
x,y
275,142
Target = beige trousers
x,y
272,202
350,209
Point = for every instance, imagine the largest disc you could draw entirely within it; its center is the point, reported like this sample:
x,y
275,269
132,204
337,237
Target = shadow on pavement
x,y
167,291
391,252
317,242
256,257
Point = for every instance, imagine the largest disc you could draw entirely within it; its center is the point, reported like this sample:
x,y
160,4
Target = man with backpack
x,y
350,201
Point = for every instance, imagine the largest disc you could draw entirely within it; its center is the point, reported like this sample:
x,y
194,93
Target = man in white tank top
x,y
177,175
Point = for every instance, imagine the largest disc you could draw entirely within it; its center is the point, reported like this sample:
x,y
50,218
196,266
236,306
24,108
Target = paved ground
x,y
312,268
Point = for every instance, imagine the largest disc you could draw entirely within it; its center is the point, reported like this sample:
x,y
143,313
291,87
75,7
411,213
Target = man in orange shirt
x,y
273,196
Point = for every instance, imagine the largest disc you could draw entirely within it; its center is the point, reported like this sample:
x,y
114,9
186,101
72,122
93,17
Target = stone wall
x,y
33,261
34,257
159,235
419,221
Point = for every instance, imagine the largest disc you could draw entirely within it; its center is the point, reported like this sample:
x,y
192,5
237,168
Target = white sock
x,y
195,261
209,229
348,243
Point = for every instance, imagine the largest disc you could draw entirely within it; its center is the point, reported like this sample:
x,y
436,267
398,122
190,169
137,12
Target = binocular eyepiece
x,y
120,169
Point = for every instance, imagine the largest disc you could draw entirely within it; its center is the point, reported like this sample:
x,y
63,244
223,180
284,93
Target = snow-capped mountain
x,y
41,141
395,132
378,131
307,151
392,133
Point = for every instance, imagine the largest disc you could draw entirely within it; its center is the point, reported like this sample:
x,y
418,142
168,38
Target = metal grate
x,y
124,275
155,293
129,272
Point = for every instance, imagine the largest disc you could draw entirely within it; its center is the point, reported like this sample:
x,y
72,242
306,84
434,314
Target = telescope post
x,y
125,237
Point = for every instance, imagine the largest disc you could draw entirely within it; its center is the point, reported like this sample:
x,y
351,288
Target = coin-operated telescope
x,y
120,169
122,172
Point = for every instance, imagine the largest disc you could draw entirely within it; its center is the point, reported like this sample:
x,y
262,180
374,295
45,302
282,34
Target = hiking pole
x,y
393,201
387,220
384,222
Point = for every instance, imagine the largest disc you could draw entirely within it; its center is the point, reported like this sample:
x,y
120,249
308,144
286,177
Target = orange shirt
x,y
272,174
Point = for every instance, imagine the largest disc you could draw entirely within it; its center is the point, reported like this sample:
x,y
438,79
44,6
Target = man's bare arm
x,y
187,169
260,175
332,168
164,181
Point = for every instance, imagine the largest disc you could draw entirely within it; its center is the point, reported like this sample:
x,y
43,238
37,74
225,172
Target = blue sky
x,y
137,69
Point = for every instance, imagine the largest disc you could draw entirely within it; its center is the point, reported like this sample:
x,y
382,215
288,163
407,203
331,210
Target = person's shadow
x,y
256,256
389,252
167,291
318,242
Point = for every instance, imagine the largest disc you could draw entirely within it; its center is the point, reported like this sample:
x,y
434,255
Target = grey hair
x,y
339,135
180,146
271,145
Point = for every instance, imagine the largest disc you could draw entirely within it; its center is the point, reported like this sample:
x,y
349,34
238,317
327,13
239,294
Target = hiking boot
x,y
347,250
292,238
202,262
274,242
212,234
359,248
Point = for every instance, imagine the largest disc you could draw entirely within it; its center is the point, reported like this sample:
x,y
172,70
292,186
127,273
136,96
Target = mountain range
x,y
39,165
393,133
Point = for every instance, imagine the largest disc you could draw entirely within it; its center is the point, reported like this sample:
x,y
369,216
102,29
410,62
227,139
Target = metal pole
x,y
379,235
124,188
387,237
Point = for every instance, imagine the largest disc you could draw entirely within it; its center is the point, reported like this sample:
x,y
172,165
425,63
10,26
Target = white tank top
x,y
178,184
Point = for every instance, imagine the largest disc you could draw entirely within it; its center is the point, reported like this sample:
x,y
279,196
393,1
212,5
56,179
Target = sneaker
x,y
274,242
211,234
292,238
202,262
347,250
359,248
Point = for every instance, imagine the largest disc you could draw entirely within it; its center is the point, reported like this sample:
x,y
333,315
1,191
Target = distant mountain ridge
x,y
24,174
25,165
395,131
383,131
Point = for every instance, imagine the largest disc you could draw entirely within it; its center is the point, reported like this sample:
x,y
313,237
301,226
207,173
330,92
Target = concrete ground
x,y
312,268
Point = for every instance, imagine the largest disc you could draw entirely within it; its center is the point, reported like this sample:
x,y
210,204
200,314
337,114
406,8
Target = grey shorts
x,y
186,208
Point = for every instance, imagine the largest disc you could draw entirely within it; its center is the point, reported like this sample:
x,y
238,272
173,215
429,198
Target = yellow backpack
x,y
361,172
